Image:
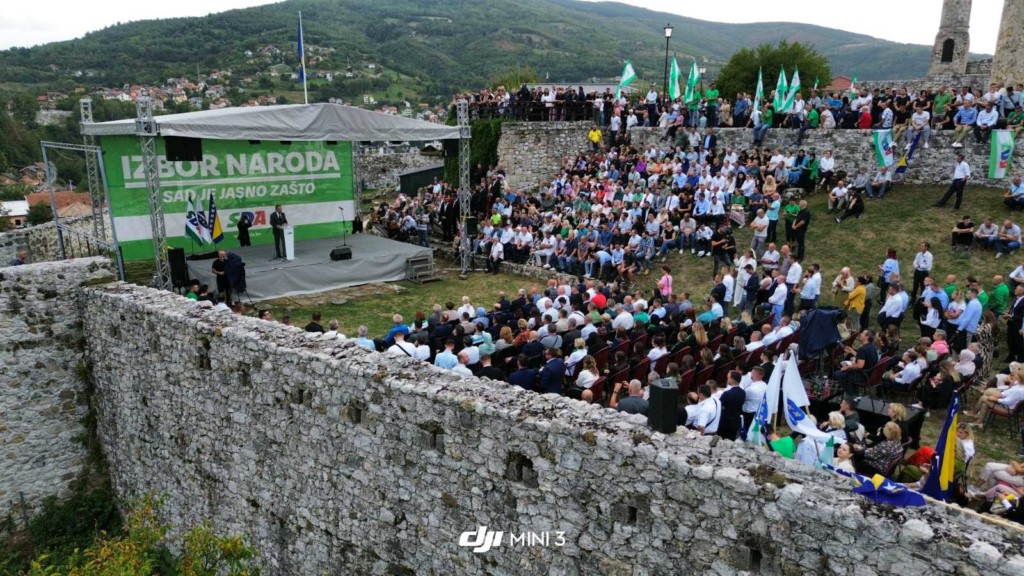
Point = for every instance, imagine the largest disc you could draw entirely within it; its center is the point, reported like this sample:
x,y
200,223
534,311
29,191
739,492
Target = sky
x,y
911,22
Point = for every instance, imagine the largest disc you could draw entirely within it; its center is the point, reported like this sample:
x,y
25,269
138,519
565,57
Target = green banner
x,y
312,180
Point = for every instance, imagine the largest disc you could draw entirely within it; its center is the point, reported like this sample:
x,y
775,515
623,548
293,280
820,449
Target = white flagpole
x,y
302,60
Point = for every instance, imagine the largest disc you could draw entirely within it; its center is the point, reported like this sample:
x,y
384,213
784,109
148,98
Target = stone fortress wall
x,y
532,152
42,397
332,459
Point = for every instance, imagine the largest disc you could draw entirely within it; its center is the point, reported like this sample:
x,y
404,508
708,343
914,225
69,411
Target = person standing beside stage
x,y
243,230
219,270
278,220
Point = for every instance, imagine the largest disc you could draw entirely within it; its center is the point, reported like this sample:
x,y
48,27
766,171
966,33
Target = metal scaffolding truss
x,y
465,196
93,168
71,242
146,129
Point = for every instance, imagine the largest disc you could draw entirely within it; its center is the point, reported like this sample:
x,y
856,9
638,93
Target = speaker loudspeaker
x,y
179,269
472,226
664,402
341,253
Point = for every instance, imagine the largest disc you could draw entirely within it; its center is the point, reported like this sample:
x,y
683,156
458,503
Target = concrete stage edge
x,y
374,259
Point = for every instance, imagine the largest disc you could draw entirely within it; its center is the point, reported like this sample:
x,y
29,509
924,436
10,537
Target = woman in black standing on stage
x,y
243,230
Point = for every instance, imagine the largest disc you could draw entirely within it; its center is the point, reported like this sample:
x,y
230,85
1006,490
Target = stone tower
x,y
1008,64
949,55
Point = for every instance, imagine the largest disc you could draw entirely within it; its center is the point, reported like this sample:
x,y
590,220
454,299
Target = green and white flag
x,y
759,93
692,94
815,83
794,88
884,154
1002,153
192,228
673,79
628,76
780,91
853,87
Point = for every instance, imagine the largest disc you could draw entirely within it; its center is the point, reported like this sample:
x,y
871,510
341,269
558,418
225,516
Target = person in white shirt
x,y
756,341
709,411
812,289
754,393
658,350
401,347
912,369
920,123
961,174
622,318
878,186
770,259
923,262
461,368
1007,400
987,120
760,226
837,197
778,298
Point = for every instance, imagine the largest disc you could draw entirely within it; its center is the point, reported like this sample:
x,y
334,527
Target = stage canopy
x,y
295,122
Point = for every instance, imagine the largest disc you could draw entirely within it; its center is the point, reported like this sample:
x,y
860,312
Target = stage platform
x,y
374,259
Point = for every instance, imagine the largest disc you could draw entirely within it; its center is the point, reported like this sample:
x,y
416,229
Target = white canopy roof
x,y
299,122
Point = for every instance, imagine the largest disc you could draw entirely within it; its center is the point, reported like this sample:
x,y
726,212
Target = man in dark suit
x,y
732,407
524,377
1014,320
533,347
278,220
489,371
552,373
519,302
710,140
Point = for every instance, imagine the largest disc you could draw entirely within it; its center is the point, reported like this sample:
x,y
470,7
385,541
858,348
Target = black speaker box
x,y
182,149
179,269
341,253
472,226
664,402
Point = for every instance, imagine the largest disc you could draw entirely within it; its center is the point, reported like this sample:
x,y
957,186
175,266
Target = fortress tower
x,y
949,55
1008,64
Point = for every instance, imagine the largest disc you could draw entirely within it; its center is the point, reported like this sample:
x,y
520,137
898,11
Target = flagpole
x,y
302,61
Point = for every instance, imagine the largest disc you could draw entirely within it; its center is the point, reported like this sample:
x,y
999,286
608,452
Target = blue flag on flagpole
x,y
302,63
939,483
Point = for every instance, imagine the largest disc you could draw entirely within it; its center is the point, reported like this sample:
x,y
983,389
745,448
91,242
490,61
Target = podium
x,y
289,242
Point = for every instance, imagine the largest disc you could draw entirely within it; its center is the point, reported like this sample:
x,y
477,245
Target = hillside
x,y
445,44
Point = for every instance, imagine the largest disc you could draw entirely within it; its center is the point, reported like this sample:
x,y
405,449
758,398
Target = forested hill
x,y
447,44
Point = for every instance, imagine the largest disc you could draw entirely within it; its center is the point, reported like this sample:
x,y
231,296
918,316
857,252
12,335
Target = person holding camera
x,y
632,404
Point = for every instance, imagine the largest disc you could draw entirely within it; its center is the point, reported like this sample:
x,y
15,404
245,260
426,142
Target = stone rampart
x,y
41,395
336,460
41,241
379,171
533,151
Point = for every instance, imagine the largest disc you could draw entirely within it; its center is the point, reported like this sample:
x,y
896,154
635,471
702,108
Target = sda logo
x,y
480,540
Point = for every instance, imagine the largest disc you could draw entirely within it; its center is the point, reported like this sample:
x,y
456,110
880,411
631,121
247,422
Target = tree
x,y
39,213
513,79
740,73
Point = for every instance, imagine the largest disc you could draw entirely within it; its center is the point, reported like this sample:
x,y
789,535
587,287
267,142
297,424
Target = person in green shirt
x,y
1015,121
712,106
939,105
768,116
784,445
1000,297
792,209
950,285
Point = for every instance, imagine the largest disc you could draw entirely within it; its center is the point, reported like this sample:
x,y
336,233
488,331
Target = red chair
x,y
598,390
686,382
875,376
640,340
621,346
677,356
715,343
722,374
620,376
601,357
641,370
661,366
703,376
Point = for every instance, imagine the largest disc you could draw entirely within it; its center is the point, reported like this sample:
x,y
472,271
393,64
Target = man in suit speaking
x,y
277,222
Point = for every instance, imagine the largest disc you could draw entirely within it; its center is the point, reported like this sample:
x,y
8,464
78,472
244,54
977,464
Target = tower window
x,y
947,50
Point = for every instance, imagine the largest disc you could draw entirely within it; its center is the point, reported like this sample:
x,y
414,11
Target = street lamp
x,y
668,36
702,70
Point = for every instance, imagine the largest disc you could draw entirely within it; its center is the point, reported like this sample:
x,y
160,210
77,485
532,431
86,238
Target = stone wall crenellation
x,y
41,396
333,459
533,151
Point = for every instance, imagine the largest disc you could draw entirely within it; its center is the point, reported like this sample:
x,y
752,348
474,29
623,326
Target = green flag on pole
x,y
628,76
692,94
1001,155
853,87
815,83
780,91
673,79
794,88
759,93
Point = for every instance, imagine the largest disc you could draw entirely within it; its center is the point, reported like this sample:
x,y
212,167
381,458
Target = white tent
x,y
298,122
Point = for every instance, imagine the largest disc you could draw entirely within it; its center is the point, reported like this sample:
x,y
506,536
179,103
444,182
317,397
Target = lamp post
x,y
668,36
702,70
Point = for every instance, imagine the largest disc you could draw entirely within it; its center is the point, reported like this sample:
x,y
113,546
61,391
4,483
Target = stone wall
x,y
382,170
41,241
41,397
1008,64
336,460
533,151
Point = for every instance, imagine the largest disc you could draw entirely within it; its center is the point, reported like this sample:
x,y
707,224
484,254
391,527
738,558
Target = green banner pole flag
x,y
1001,155
673,79
691,84
815,83
192,223
759,94
780,91
853,87
628,76
884,154
794,87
